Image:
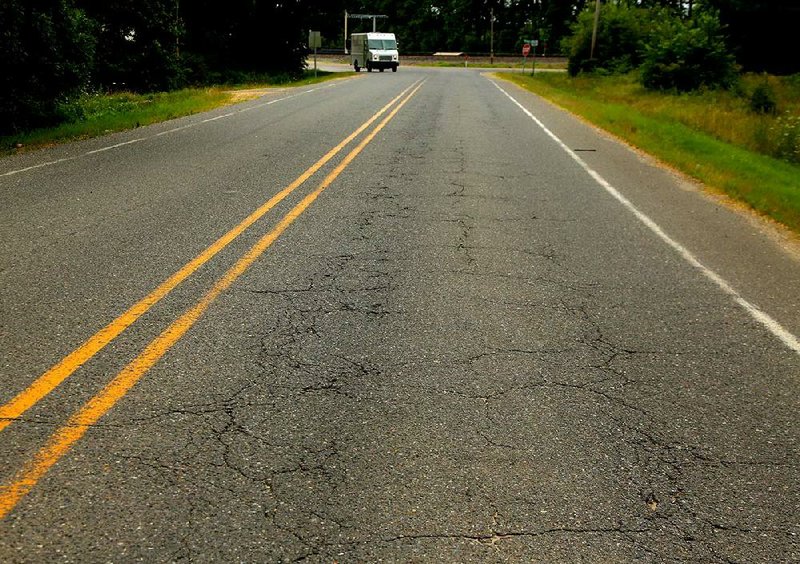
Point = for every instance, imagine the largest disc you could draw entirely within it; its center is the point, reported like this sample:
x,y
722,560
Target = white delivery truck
x,y
374,51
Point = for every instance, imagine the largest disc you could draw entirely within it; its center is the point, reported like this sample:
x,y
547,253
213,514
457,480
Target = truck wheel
x,y
394,68
369,67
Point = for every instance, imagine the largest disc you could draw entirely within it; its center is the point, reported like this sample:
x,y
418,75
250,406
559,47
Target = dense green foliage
x,y
46,50
231,40
762,99
136,44
686,44
623,32
687,54
761,33
52,50
675,49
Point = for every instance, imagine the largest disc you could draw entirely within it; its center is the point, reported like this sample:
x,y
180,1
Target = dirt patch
x,y
252,94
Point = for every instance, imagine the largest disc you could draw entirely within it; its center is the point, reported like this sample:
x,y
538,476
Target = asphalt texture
x,y
464,350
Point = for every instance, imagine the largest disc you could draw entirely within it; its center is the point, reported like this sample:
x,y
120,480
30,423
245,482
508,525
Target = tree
x,y
46,50
557,20
621,33
222,41
687,54
136,44
761,32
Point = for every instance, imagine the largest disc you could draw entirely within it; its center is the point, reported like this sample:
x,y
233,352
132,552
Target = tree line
x,y
54,49
758,33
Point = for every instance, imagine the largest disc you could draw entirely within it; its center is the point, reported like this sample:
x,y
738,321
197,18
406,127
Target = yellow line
x,y
48,381
63,439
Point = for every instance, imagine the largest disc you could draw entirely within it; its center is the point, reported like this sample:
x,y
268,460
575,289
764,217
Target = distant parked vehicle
x,y
374,51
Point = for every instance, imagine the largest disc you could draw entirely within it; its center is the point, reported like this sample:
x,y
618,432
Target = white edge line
x,y
40,165
766,320
131,142
118,145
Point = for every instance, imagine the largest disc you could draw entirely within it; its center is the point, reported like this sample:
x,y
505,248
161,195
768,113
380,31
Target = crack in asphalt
x,y
494,536
306,356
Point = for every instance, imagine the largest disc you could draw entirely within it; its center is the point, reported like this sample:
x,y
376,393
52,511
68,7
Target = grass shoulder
x,y
93,115
712,136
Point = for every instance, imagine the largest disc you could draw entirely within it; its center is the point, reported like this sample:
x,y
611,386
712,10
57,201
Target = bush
x,y
620,33
762,100
687,55
787,129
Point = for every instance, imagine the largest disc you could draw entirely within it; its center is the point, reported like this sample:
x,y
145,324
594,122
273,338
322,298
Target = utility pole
x,y
594,29
345,32
491,37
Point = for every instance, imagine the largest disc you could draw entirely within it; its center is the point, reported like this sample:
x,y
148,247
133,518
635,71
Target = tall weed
x,y
787,132
724,114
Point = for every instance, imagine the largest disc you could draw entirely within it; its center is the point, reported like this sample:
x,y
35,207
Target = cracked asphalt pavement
x,y
464,350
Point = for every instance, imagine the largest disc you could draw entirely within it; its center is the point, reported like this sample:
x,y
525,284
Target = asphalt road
x,y
479,331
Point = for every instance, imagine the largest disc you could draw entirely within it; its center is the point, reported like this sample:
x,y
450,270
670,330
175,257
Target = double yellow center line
x,y
62,440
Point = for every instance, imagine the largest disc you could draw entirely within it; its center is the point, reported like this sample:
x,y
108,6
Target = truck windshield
x,y
382,44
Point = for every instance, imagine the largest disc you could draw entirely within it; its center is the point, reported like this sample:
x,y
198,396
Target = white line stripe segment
x,y
40,165
766,320
118,145
131,142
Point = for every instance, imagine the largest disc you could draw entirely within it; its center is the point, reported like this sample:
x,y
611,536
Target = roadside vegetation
x,y
667,77
53,52
723,138
100,113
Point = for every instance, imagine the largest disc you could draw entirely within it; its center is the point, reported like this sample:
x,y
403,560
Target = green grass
x,y
266,81
711,136
93,115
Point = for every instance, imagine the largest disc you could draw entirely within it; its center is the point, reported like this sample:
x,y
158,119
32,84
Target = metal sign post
x,y
527,46
315,42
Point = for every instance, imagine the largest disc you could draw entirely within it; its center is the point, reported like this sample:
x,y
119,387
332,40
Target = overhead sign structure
x,y
373,17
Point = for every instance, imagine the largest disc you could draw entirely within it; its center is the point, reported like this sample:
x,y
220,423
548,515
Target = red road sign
x,y
526,48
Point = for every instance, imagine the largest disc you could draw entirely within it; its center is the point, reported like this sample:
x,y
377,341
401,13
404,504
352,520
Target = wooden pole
x,y
594,29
